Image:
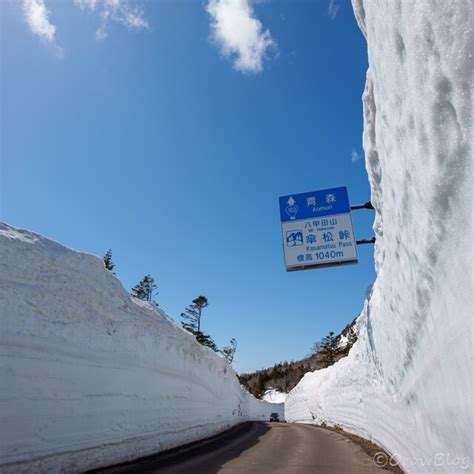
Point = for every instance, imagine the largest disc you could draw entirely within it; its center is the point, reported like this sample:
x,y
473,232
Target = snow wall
x,y
407,382
90,376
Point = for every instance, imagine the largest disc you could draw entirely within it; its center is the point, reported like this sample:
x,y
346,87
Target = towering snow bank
x,y
91,377
407,382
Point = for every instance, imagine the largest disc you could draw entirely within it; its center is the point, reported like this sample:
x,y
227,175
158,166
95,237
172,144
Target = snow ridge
x,y
407,382
92,377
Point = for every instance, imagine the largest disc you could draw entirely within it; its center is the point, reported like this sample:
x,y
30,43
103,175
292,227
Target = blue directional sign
x,y
317,229
315,204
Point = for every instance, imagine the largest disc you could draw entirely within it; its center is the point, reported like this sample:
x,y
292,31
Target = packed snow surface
x,y
274,396
90,376
407,382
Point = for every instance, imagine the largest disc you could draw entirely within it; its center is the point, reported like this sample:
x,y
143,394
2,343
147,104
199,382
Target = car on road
x,y
274,417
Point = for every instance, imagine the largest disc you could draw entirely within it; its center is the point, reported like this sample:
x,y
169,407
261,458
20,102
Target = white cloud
x,y
119,11
355,157
239,34
333,9
37,17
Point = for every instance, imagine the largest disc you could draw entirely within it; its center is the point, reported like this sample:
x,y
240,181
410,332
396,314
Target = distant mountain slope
x,y
284,376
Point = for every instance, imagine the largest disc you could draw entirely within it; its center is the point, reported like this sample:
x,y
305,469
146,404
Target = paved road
x,y
264,448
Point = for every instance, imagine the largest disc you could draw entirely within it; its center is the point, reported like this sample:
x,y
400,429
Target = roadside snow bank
x,y
90,376
407,382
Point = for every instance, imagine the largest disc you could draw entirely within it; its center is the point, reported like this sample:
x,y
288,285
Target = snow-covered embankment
x,y
274,396
90,376
407,382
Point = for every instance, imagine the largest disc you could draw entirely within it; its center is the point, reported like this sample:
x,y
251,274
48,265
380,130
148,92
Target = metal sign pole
x,y
367,205
366,241
356,207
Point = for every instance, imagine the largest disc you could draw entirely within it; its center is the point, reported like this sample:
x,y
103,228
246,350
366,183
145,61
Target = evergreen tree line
x,y
146,289
282,377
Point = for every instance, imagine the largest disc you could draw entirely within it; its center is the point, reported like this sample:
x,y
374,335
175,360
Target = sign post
x,y
317,229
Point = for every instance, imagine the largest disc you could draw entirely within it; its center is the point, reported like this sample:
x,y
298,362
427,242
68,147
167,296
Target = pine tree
x,y
145,289
109,265
192,322
229,351
193,313
328,349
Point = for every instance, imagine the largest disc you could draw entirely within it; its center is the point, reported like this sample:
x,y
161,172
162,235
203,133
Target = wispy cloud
x,y
355,156
120,11
239,34
333,9
37,17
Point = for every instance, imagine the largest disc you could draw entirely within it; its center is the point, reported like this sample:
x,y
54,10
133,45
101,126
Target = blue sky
x,y
167,132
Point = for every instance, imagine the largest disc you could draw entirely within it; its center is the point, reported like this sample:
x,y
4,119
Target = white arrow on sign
x,y
291,201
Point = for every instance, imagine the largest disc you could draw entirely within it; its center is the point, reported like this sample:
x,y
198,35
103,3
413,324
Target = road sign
x,y
317,229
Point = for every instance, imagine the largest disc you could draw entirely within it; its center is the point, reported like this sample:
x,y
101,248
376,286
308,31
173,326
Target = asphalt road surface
x,y
262,448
